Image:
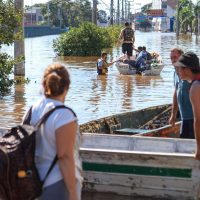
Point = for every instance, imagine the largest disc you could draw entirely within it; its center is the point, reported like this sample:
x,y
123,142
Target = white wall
x,y
156,4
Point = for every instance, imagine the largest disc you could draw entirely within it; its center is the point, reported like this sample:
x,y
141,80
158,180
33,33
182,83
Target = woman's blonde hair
x,y
55,80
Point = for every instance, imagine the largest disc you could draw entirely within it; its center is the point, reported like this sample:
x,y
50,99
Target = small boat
x,y
152,121
153,69
151,167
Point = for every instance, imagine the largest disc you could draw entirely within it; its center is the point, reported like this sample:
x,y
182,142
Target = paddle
x,y
165,131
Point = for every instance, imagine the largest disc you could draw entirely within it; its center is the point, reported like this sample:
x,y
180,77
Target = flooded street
x,y
92,96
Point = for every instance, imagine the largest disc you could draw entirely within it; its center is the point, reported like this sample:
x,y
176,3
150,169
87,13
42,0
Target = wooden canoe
x,y
151,121
162,168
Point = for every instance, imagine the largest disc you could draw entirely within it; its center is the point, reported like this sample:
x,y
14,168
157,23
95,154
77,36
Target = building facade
x,y
165,23
33,16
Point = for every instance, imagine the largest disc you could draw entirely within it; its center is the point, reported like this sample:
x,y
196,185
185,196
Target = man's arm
x,y
133,37
121,35
109,64
172,118
195,100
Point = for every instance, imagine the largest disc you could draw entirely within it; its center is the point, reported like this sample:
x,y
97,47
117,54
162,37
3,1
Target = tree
x,y
196,14
186,15
72,13
86,40
10,19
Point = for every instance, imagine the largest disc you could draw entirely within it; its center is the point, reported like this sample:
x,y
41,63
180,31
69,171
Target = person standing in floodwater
x,y
188,68
102,65
181,101
128,38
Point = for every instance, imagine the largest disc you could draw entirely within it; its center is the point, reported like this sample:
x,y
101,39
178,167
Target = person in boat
x,y
188,68
138,50
140,61
181,100
146,54
128,38
102,65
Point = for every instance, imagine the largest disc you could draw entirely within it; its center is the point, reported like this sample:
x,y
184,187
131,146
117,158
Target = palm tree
x,y
186,15
196,19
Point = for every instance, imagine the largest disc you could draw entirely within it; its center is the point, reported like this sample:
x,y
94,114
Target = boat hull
x,y
140,166
154,69
139,121
125,69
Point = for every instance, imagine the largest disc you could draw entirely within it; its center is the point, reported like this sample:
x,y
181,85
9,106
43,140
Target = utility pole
x,y
94,12
177,19
198,18
118,12
48,11
123,11
19,68
129,11
111,12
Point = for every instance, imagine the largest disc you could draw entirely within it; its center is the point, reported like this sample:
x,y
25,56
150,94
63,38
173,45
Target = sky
x,y
106,2
31,2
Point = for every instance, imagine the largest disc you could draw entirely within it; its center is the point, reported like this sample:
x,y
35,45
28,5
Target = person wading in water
x,y
102,65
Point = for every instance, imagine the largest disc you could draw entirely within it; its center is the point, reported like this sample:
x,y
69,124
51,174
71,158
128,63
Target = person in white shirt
x,y
60,136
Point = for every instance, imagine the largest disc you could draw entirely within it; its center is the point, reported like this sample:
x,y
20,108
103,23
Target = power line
x,y
105,4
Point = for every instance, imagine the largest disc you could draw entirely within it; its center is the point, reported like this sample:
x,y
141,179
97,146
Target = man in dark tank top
x,y
128,38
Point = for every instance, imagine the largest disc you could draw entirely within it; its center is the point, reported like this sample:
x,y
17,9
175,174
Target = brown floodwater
x,y
93,96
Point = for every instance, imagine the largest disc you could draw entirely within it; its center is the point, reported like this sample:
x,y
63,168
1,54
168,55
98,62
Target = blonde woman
x,y
59,135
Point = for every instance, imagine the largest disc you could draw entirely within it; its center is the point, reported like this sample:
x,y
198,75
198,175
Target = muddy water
x,y
92,96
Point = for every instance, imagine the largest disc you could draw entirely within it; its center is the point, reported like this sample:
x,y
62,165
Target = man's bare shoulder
x,y
195,84
195,88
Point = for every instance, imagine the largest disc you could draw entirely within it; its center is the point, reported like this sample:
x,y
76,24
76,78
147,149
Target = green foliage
x,y
187,14
87,40
10,23
114,32
10,19
71,13
6,68
21,80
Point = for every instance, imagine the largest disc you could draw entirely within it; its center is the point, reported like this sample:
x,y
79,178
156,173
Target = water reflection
x,y
93,96
19,101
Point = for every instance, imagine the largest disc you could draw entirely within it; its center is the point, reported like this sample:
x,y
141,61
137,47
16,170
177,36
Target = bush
x,y
10,30
114,32
87,40
6,68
